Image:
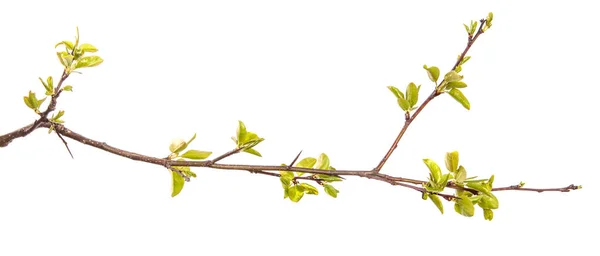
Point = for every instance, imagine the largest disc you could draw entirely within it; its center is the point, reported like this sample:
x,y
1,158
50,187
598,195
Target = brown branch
x,y
539,190
227,154
410,118
66,145
270,170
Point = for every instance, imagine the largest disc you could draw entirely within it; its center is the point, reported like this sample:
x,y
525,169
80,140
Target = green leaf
x,y
464,206
308,162
404,104
191,139
322,162
467,29
461,175
490,181
88,61
452,161
441,184
286,178
58,115
465,59
28,102
328,178
412,94
460,97
252,151
241,133
452,76
396,92
433,72
438,203
177,145
488,202
88,48
286,182
65,59
480,187
68,45
48,85
456,84
178,182
196,154
330,190
68,88
309,189
488,214
295,193
434,169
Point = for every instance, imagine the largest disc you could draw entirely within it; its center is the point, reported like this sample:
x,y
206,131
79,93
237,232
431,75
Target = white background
x,y
305,75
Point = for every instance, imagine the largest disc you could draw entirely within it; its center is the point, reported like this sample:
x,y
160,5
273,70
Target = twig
x,y
227,154
410,118
539,190
67,146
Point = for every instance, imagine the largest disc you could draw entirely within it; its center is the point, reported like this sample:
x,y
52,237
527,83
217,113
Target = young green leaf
x,y
190,140
88,48
68,45
433,72
461,175
438,203
441,184
177,145
452,161
309,189
396,92
295,193
252,151
68,88
465,59
308,162
88,61
241,133
328,178
452,76
480,187
65,59
322,162
404,104
177,184
28,102
412,94
488,214
196,154
488,202
464,206
460,97
330,190
456,84
286,178
434,169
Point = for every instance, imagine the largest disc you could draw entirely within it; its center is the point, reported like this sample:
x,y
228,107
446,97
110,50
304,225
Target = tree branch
x,y
410,118
270,170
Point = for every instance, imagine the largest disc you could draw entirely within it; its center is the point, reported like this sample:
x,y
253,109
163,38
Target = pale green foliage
x,y
246,140
184,173
464,200
294,190
408,100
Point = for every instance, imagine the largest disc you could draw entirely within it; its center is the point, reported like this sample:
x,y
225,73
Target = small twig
x,y
185,177
67,146
227,154
295,159
539,190
410,118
